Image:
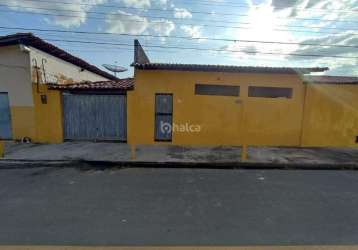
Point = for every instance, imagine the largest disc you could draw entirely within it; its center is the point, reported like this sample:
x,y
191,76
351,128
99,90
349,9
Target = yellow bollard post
x,y
243,135
2,148
133,152
244,153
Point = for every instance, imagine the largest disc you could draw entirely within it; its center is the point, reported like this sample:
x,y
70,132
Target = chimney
x,y
139,55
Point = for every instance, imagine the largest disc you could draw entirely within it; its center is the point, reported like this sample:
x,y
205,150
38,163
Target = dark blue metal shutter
x,y
163,117
111,117
5,117
95,117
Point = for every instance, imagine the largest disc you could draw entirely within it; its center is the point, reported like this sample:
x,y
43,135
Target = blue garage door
x,y
5,117
95,117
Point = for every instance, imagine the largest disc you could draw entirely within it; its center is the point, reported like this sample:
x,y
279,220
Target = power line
x,y
116,49
109,45
234,4
208,49
172,18
181,37
198,25
192,11
103,51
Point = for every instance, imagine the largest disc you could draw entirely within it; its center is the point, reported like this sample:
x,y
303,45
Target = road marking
x,y
181,248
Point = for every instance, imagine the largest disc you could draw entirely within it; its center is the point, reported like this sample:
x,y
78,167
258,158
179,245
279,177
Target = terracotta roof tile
x,y
226,68
120,84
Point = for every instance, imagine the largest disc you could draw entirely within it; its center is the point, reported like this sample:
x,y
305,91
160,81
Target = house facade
x,y
26,64
259,108
185,104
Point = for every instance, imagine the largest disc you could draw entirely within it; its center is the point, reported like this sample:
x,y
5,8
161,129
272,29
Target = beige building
x,y
26,62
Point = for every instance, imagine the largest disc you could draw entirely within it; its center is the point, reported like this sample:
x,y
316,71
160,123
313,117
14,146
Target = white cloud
x,y
79,13
263,22
192,31
269,21
346,39
182,13
318,9
338,66
160,2
122,22
143,3
162,27
343,67
349,68
136,3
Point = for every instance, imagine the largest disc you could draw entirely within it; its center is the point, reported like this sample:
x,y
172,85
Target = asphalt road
x,y
65,206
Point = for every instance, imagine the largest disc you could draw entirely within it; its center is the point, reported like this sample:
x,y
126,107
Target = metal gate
x,y
95,117
5,117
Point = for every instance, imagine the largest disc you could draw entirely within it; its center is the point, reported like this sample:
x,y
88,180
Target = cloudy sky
x,y
234,32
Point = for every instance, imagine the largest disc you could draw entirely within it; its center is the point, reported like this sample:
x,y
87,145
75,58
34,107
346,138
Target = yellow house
x,y
185,104
27,108
177,104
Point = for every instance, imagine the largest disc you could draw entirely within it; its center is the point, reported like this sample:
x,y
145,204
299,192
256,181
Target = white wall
x,y
56,67
16,72
15,76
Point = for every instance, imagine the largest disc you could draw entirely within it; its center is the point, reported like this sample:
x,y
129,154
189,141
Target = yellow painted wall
x,y
275,121
268,122
22,122
42,122
331,115
48,117
330,112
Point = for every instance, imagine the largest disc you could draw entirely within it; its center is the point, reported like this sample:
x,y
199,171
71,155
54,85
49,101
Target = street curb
x,y
23,164
102,165
226,165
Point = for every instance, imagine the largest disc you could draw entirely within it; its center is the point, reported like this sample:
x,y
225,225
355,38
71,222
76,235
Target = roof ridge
x,y
330,79
38,43
231,68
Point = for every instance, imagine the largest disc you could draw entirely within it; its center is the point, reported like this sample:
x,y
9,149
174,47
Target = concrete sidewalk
x,y
120,154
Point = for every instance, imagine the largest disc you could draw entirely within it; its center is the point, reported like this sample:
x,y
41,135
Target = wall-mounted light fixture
x,y
44,99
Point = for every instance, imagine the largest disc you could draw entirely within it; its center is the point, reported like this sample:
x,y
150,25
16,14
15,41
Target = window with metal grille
x,y
163,117
270,92
220,90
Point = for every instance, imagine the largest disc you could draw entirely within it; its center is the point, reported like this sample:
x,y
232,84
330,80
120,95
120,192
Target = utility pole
x,y
2,148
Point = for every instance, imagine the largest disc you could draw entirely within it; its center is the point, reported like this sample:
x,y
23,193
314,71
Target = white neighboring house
x,y
26,59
